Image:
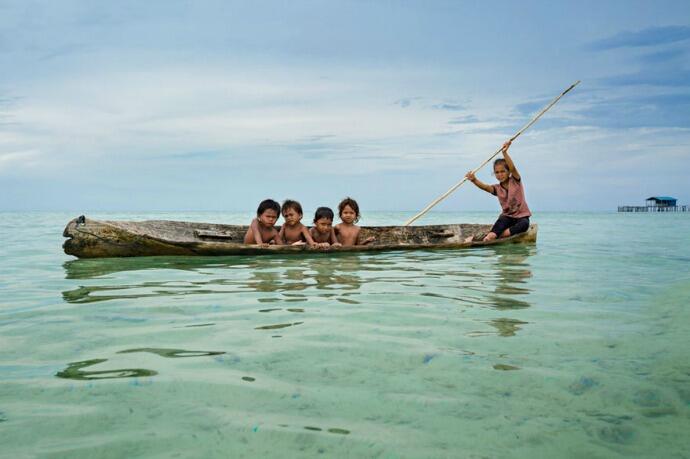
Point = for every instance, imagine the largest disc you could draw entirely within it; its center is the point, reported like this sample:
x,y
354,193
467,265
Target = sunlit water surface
x,y
574,347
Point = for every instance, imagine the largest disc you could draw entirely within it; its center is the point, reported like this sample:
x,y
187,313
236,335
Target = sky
x,y
216,105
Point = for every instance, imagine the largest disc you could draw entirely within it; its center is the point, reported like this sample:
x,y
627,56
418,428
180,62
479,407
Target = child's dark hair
x,y
323,212
291,204
267,204
353,205
501,161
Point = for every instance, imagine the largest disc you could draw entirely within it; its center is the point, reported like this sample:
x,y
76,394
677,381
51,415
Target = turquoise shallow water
x,y
575,347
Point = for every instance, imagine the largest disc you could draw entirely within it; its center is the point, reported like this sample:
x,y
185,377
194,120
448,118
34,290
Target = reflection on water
x,y
75,370
172,353
277,326
99,267
512,272
504,367
494,277
334,430
506,327
333,276
197,267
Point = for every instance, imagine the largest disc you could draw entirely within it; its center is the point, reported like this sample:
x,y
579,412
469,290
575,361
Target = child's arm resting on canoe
x,y
307,237
365,241
254,233
478,183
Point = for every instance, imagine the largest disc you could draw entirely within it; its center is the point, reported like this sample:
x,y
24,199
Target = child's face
x,y
268,217
292,217
348,215
501,173
323,225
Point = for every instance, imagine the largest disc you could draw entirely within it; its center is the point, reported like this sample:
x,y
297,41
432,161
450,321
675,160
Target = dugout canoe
x,y
100,239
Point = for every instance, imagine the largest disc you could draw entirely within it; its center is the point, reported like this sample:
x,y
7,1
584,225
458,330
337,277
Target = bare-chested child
x,y
347,232
322,232
293,232
261,231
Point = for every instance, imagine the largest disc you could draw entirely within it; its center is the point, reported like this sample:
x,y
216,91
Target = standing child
x,y
347,231
261,231
515,216
322,232
293,232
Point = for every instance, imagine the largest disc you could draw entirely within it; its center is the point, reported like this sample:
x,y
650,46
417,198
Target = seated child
x,y
511,195
261,231
293,231
347,231
322,232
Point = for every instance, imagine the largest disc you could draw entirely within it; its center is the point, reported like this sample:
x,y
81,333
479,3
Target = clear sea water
x,y
574,347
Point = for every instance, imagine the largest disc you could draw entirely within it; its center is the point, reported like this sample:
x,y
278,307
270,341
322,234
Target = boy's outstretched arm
x,y
366,241
278,239
307,236
509,161
478,183
334,239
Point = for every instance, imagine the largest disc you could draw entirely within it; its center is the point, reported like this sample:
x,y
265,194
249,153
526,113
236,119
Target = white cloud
x,y
12,161
177,110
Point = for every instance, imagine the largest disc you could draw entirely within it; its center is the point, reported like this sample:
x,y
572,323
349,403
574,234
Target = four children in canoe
x,y
510,193
323,234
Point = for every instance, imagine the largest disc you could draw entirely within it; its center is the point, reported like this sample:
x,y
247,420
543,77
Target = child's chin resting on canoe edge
x,y
322,232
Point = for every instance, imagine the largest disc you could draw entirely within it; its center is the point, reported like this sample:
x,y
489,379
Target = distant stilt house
x,y
656,204
661,201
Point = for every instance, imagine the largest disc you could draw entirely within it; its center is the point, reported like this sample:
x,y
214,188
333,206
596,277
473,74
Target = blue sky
x,y
217,105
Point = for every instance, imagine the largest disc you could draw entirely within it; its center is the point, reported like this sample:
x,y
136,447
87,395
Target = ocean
x,y
574,347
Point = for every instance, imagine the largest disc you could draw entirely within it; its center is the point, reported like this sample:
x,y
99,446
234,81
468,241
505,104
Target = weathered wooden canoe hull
x,y
100,239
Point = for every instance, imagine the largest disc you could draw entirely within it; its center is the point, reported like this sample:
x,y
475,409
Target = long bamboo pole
x,y
457,185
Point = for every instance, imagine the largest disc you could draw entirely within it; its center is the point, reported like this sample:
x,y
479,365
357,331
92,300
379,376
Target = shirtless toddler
x,y
322,232
261,231
293,232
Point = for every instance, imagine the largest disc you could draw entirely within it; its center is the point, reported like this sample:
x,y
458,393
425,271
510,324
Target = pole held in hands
x,y
457,185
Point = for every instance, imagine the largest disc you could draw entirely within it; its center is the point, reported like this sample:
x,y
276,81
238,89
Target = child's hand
x,y
324,245
337,244
368,240
470,176
506,145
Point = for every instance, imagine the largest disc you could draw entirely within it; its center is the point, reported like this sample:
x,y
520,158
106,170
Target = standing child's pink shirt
x,y
512,200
